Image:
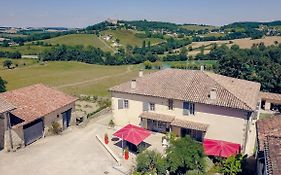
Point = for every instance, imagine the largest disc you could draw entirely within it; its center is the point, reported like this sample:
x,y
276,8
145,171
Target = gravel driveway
x,y
77,151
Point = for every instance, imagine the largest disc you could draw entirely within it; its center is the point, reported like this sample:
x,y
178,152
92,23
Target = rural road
x,y
129,69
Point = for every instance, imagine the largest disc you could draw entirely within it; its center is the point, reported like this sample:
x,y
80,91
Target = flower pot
x,y
126,155
106,140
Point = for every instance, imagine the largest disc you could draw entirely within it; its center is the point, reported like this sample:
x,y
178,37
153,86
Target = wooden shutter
x,y
120,104
145,106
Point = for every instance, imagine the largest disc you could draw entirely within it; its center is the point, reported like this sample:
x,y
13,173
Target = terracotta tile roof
x,y
195,86
190,125
5,106
270,96
273,155
36,101
158,117
268,127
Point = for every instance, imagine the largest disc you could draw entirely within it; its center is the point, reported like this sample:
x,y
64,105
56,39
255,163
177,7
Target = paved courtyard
x,y
77,151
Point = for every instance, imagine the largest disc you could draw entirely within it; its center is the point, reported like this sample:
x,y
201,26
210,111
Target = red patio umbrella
x,y
132,134
220,148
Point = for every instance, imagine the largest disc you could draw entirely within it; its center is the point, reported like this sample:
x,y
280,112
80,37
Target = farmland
x,y
70,77
242,43
26,49
197,27
79,39
128,37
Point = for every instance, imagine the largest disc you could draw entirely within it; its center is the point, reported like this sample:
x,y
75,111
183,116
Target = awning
x,y
190,125
220,148
132,134
157,117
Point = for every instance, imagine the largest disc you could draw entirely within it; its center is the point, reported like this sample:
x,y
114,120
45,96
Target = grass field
x,y
128,37
71,77
79,39
19,62
26,49
197,27
243,43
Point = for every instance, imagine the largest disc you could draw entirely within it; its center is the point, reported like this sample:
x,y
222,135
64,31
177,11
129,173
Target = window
x,y
170,104
188,108
126,104
123,104
152,106
145,106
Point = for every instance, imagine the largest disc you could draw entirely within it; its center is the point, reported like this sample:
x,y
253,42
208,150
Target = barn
x,y
37,107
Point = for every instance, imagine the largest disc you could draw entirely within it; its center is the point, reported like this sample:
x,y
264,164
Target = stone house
x,y
37,107
189,102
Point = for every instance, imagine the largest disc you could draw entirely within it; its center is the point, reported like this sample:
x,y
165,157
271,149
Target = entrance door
x,y
33,131
66,117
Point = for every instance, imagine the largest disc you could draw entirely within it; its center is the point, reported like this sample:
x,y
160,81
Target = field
x,y
19,62
197,27
26,49
79,39
128,37
71,77
243,43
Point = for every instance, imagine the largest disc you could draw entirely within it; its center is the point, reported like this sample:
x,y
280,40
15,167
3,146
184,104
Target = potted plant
x,y
111,124
126,154
105,138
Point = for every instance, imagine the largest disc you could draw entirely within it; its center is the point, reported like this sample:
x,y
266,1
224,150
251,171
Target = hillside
x,y
79,39
128,37
197,27
71,77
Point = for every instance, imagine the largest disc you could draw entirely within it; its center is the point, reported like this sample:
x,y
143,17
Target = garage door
x,y
2,132
33,131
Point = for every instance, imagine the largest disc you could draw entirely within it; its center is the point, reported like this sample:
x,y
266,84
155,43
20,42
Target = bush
x,y
111,124
151,162
55,129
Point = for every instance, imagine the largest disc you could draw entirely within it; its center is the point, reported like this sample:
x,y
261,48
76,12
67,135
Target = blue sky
x,y
74,13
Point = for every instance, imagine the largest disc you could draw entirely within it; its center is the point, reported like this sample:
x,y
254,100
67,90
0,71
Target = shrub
x,y
150,162
55,128
111,124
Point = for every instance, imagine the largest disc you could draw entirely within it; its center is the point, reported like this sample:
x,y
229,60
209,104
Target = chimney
x,y
213,94
133,84
140,73
202,67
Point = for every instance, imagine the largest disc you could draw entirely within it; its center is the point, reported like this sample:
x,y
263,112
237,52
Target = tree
x,y
232,165
2,85
185,154
151,162
7,63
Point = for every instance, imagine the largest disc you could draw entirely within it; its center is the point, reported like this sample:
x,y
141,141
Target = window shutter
x,y
145,106
186,106
120,104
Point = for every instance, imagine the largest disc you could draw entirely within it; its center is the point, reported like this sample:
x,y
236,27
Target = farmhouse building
x,y
190,102
36,108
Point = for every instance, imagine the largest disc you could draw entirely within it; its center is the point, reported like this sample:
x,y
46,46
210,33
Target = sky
x,y
81,13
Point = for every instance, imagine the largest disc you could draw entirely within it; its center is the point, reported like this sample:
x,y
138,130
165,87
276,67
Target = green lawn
x,y
26,49
128,37
205,62
79,39
71,77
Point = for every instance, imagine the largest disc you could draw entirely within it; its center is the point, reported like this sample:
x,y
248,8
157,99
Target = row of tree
x,y
259,63
14,55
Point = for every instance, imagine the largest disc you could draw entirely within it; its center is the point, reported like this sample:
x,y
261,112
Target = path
x,y
106,44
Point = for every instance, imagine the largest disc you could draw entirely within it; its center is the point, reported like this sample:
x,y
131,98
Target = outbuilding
x,y
37,108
